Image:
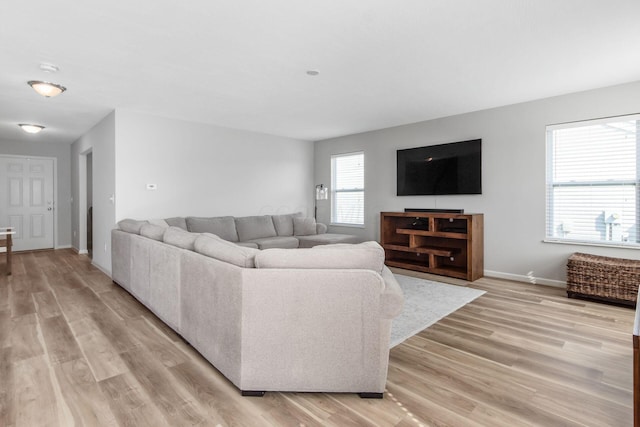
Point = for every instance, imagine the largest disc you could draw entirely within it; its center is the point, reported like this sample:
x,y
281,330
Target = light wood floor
x,y
76,349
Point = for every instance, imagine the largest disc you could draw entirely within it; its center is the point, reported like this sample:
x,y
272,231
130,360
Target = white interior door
x,y
26,201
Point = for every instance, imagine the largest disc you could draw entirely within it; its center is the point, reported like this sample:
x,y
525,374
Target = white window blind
x,y
347,189
592,181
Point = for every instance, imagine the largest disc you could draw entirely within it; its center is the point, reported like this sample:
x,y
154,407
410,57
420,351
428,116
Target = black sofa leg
x,y
371,395
254,393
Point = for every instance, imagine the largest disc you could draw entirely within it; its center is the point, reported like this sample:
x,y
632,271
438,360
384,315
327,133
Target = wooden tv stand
x,y
448,244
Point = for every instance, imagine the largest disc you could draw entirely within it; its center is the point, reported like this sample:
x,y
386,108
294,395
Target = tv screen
x,y
453,168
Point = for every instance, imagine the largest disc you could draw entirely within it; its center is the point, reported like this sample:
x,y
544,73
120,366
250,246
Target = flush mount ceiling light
x,y
49,68
31,128
45,88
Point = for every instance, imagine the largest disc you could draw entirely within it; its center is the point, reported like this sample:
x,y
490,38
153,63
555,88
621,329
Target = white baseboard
x,y
104,270
526,279
86,252
64,247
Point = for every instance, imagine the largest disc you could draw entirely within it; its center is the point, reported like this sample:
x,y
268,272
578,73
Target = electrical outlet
x,y
75,233
105,247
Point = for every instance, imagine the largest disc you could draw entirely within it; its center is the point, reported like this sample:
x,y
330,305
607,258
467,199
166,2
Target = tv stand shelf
x,y
421,232
448,244
438,251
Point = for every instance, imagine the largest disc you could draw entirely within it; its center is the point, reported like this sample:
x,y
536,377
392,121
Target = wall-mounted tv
x,y
454,168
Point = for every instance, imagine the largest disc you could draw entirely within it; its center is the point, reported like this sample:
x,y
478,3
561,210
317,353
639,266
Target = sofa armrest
x,y
121,258
392,299
313,330
321,228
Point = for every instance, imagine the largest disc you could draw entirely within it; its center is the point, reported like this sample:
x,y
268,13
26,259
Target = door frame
x,y
55,189
82,200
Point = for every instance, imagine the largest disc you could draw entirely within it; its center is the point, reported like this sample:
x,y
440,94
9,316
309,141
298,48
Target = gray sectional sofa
x,y
273,319
263,232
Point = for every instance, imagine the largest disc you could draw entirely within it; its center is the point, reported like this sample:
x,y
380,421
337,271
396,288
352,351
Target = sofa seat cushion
x,y
283,242
326,239
255,227
223,250
176,236
248,245
365,256
222,226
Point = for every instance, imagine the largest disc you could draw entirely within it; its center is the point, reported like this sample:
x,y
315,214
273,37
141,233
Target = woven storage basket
x,y
600,277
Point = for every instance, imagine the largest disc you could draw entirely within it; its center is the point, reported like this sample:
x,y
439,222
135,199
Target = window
x,y
592,181
347,189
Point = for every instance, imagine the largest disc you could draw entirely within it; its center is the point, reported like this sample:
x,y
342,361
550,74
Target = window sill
x,y
601,245
333,224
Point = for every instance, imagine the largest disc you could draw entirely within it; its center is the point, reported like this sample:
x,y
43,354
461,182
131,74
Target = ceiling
x,y
243,63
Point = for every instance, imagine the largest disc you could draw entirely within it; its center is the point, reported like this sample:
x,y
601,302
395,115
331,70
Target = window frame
x,y
335,191
550,184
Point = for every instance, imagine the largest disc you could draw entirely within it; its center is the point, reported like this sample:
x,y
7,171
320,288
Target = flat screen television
x,y
454,168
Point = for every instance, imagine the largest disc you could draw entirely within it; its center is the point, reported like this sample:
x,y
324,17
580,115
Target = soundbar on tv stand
x,y
458,211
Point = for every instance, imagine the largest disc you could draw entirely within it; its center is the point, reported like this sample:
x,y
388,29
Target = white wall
x,y
204,170
199,170
100,141
42,148
513,157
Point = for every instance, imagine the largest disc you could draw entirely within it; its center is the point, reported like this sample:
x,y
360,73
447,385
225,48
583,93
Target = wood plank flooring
x,y
75,349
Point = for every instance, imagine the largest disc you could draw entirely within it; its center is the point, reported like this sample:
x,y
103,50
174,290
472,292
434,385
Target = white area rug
x,y
426,302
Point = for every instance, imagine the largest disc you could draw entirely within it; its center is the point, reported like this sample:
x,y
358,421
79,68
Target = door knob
x,y
49,209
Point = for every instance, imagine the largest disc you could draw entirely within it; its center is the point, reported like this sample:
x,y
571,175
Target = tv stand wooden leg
x,y
636,381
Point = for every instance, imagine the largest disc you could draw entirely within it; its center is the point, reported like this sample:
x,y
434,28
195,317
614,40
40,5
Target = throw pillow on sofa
x,y
131,225
223,250
153,231
284,223
176,236
304,226
368,256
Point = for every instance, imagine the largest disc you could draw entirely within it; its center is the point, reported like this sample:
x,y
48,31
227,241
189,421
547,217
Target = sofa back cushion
x,y
223,250
255,227
178,221
222,226
284,223
176,236
367,256
131,225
